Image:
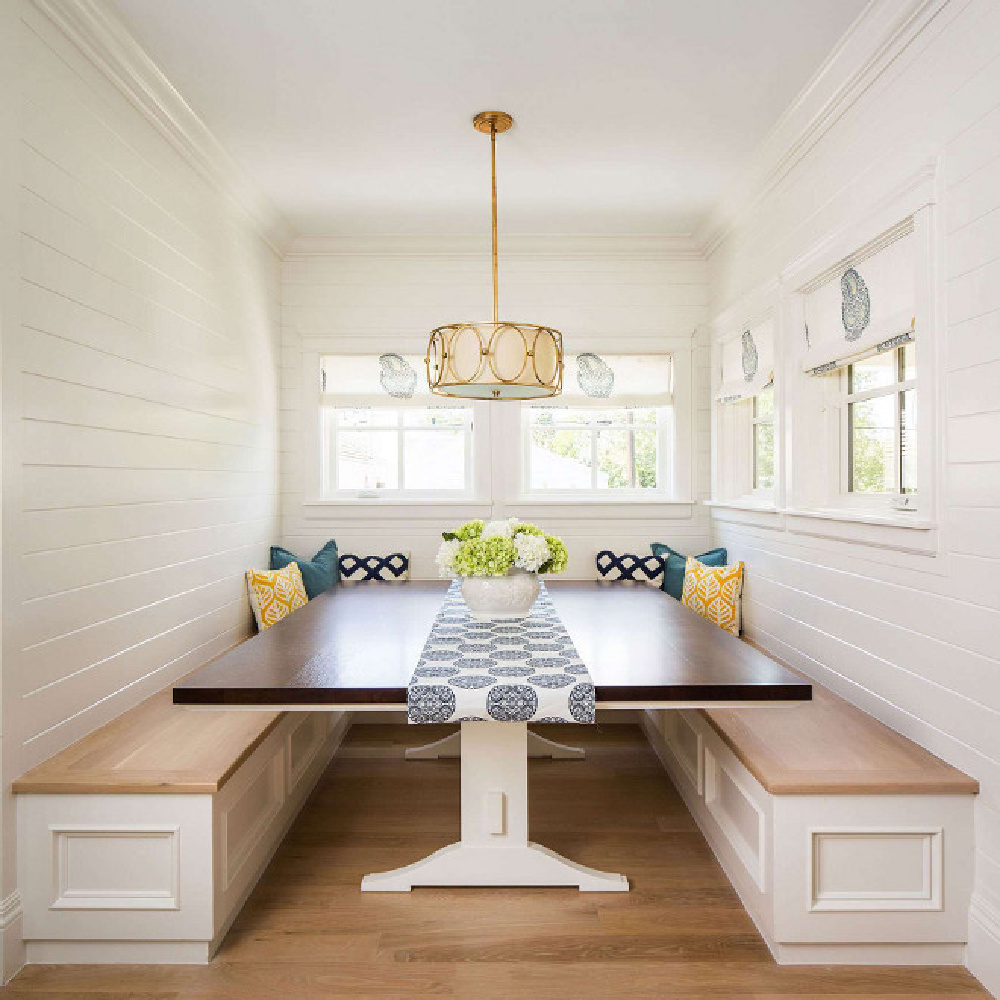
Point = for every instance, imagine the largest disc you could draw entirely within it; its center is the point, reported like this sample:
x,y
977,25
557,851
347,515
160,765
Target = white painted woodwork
x,y
451,746
621,295
494,849
139,432
908,633
875,879
159,878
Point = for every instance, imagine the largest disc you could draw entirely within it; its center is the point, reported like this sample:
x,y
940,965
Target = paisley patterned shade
x,y
397,376
856,308
749,357
595,376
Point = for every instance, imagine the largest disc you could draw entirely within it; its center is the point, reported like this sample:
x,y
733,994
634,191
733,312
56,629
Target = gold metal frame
x,y
488,333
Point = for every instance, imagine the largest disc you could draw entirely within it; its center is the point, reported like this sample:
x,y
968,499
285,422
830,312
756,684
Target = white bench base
x,y
159,878
828,879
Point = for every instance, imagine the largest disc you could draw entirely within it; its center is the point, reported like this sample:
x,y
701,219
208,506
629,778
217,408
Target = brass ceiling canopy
x,y
499,359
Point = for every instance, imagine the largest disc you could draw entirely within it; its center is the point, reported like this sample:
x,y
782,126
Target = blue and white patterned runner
x,y
515,671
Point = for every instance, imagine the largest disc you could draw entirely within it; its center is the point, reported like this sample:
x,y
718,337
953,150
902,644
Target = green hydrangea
x,y
560,557
523,528
467,531
484,556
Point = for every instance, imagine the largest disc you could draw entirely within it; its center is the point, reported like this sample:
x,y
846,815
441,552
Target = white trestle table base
x,y
494,849
451,746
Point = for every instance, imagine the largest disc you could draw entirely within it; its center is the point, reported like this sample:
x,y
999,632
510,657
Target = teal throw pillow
x,y
674,562
318,574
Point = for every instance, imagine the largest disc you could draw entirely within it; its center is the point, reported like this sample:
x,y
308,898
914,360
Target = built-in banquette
x,y
846,842
141,842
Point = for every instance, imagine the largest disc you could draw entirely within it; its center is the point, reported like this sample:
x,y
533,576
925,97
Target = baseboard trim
x,y
118,952
983,953
868,954
12,945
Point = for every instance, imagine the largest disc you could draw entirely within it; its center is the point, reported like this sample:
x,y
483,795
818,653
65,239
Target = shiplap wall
x,y
603,297
914,640
140,410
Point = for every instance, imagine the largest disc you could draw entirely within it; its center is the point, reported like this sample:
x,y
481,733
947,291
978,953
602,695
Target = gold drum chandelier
x,y
499,359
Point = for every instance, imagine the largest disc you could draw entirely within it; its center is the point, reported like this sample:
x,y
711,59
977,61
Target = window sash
x,y
400,430
659,428
895,389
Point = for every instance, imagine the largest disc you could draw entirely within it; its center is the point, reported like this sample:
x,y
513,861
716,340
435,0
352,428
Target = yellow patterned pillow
x,y
715,592
275,593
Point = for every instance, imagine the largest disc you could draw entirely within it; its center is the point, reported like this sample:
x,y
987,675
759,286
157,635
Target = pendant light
x,y
499,359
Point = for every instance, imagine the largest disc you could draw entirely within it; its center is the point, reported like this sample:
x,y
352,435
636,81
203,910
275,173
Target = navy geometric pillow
x,y
629,567
387,569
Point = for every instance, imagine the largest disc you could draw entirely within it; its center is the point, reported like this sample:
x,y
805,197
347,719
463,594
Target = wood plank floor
x,y
307,932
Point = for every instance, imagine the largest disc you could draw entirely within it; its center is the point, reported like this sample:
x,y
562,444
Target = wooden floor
x,y
307,932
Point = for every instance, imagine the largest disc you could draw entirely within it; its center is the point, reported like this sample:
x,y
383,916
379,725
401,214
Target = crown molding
x,y
631,247
879,36
107,43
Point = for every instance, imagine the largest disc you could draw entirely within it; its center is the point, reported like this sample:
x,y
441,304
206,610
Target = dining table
x,y
355,649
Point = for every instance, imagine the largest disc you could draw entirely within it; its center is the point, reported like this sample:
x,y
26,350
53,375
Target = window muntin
x,y
398,451
583,450
881,418
763,439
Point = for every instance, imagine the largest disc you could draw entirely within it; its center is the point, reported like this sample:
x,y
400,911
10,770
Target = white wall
x,y
139,408
912,639
386,295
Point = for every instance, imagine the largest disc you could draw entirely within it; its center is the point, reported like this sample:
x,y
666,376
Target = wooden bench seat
x,y
846,841
154,749
141,841
829,747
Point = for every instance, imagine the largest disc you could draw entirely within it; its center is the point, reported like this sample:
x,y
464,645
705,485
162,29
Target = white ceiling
x,y
354,115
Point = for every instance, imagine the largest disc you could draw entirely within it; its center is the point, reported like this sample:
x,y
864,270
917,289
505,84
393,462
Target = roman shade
x,y
609,381
376,380
864,305
747,363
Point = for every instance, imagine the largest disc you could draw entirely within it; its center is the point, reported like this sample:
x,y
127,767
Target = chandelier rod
x,y
493,168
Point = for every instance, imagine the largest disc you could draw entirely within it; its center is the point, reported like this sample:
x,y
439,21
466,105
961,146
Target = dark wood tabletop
x,y
358,645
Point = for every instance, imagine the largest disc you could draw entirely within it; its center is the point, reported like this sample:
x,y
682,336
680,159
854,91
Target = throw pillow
x,y
673,574
629,567
715,592
392,568
275,593
318,574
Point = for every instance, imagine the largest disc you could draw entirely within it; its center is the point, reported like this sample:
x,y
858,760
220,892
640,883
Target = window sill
x,y
889,518
362,508
756,506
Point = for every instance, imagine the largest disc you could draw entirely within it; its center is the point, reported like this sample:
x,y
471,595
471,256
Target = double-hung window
x,y
608,435
746,414
861,351
385,435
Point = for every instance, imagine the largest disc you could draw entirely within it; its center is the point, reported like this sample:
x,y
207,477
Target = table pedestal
x,y
451,746
494,849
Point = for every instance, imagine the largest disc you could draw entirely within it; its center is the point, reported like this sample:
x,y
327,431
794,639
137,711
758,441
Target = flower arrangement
x,y
493,548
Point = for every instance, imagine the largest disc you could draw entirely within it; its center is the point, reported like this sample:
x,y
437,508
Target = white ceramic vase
x,y
500,598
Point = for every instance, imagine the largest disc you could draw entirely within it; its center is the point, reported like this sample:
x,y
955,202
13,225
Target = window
x,y
763,439
881,416
584,450
375,444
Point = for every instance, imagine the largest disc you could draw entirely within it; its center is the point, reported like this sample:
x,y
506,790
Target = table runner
x,y
526,670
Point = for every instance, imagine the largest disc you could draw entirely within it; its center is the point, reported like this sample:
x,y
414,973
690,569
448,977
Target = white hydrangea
x,y
532,552
445,558
503,529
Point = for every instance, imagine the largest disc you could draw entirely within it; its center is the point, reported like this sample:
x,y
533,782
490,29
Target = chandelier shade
x,y
495,359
